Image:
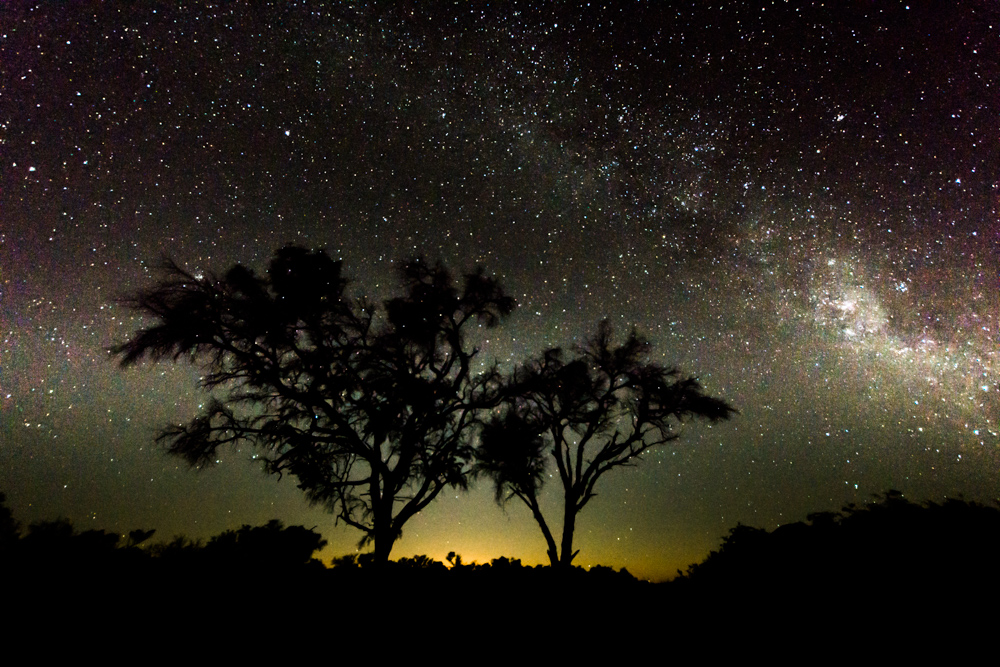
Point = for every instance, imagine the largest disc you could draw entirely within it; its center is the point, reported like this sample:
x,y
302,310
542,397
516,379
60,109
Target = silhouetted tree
x,y
138,536
269,546
10,529
57,545
600,410
421,562
371,410
346,562
49,537
889,549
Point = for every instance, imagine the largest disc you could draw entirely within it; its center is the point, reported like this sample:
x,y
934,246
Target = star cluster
x,y
798,202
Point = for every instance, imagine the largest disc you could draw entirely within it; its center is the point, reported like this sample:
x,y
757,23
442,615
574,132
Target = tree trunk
x,y
566,553
382,533
383,547
550,542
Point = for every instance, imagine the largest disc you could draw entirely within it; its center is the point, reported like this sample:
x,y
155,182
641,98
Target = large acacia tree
x,y
371,409
601,409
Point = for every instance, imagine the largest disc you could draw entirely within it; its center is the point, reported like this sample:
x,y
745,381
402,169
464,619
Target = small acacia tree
x,y
371,410
598,411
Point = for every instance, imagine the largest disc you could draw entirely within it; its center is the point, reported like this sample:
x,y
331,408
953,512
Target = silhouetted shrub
x,y
889,549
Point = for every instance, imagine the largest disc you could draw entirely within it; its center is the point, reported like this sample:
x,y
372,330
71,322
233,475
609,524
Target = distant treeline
x,y
54,553
890,550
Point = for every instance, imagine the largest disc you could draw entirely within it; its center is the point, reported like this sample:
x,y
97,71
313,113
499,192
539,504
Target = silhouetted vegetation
x,y
9,528
272,546
375,410
372,410
52,561
888,558
890,549
600,410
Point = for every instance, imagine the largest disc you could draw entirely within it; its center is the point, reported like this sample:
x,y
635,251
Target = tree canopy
x,y
372,409
600,409
888,548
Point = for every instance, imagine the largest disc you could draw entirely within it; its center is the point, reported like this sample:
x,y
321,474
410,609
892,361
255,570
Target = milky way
x,y
798,204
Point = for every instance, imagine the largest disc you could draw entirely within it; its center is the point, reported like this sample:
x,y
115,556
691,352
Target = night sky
x,y
798,203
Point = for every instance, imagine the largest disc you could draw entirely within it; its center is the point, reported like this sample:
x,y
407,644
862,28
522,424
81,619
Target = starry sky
x,y
796,202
